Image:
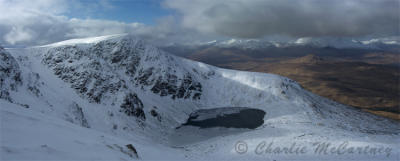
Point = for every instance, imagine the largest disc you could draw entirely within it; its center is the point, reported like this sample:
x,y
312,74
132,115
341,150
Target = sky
x,y
38,22
143,11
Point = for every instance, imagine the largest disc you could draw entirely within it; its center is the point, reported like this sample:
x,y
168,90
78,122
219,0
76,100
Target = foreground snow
x,y
28,135
87,99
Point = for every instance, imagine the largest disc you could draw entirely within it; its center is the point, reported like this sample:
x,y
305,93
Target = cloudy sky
x,y
37,22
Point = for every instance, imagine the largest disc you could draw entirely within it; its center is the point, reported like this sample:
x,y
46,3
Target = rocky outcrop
x,y
133,149
155,114
133,106
34,84
77,116
10,75
87,70
187,88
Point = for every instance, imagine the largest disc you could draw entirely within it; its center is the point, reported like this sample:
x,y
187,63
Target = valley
x,y
366,79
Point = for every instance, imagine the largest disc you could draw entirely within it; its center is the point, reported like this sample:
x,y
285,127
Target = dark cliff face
x,y
10,75
100,71
107,67
84,70
188,88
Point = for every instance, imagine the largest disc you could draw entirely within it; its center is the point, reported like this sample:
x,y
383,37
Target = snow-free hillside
x,y
116,90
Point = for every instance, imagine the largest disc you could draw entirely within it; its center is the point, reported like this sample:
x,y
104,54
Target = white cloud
x,y
26,22
18,34
39,22
93,27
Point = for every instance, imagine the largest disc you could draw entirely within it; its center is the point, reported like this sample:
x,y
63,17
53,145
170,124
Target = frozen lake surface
x,y
217,122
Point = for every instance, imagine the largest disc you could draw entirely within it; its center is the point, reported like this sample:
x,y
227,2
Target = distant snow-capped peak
x,y
388,41
376,43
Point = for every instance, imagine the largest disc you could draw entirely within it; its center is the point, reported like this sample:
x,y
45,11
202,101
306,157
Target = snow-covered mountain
x,y
346,43
115,97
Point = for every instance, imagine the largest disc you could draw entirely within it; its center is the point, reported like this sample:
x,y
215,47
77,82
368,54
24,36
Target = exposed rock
x,y
133,106
10,75
78,116
144,77
187,88
155,114
34,84
91,71
88,76
133,149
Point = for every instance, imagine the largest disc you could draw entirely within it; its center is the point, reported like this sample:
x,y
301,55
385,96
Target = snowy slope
x,y
29,135
122,88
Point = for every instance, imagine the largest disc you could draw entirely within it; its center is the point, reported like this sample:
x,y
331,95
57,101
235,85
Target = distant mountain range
x,y
387,44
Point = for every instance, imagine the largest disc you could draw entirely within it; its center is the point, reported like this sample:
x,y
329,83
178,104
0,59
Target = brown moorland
x,y
366,79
